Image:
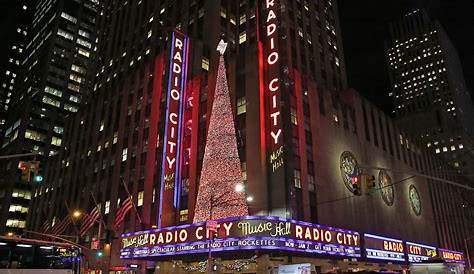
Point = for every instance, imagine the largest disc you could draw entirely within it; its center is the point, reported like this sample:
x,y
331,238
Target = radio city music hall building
x,y
300,134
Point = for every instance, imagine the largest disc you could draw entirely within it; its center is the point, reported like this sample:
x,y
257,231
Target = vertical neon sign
x,y
170,168
272,85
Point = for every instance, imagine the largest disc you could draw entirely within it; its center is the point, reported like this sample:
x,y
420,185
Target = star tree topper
x,y
221,47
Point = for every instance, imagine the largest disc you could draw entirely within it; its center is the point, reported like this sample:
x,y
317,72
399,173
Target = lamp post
x,y
76,216
212,225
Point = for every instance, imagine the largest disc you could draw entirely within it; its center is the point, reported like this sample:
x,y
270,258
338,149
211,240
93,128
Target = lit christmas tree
x,y
221,175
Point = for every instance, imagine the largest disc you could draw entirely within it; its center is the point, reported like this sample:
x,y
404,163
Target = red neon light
x,y
272,86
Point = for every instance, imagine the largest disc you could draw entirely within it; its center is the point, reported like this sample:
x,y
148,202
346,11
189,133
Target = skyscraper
x,y
429,91
16,50
300,133
54,78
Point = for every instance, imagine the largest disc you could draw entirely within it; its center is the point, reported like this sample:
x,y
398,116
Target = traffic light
x,y
356,182
24,167
108,236
370,182
36,170
99,254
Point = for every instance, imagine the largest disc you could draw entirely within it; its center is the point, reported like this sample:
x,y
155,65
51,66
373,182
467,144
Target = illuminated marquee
x,y
383,248
419,253
244,233
272,84
451,256
170,178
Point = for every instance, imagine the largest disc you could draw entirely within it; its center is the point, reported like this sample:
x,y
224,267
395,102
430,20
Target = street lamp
x,y
239,187
76,214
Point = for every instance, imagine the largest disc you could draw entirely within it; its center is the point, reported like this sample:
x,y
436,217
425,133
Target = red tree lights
x,y
220,175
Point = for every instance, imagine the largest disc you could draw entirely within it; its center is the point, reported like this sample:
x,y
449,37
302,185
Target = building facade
x,y
8,77
55,76
428,85
301,133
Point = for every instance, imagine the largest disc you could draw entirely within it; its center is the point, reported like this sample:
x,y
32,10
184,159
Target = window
x,y
51,101
53,91
294,116
76,78
84,52
244,171
78,69
73,87
243,19
68,17
58,130
18,193
140,198
65,34
311,183
241,105
84,43
16,223
297,177
34,135
84,33
183,215
242,37
205,64
74,99
107,207
70,108
18,208
124,154
56,141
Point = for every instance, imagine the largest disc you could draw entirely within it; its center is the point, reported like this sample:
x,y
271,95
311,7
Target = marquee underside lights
x,y
170,177
278,234
272,84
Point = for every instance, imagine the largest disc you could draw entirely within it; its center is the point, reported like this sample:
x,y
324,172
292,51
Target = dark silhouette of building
x,y
429,91
54,77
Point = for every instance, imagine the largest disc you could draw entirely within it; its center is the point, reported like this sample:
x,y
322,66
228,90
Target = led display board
x,y
383,248
418,252
451,256
242,233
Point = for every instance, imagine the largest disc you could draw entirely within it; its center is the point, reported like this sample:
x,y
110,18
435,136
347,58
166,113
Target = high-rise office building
x,y
301,135
428,87
54,78
11,65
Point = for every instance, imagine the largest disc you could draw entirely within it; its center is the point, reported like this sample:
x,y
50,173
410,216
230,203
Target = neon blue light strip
x,y
163,160
382,238
420,245
177,182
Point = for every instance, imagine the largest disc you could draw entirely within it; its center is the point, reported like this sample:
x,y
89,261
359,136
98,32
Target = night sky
x,y
364,25
8,23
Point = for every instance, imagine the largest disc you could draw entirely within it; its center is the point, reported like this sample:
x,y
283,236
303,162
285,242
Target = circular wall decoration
x,y
386,187
415,200
349,167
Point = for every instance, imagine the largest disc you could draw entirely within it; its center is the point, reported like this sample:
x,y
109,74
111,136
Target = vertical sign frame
x,y
170,179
